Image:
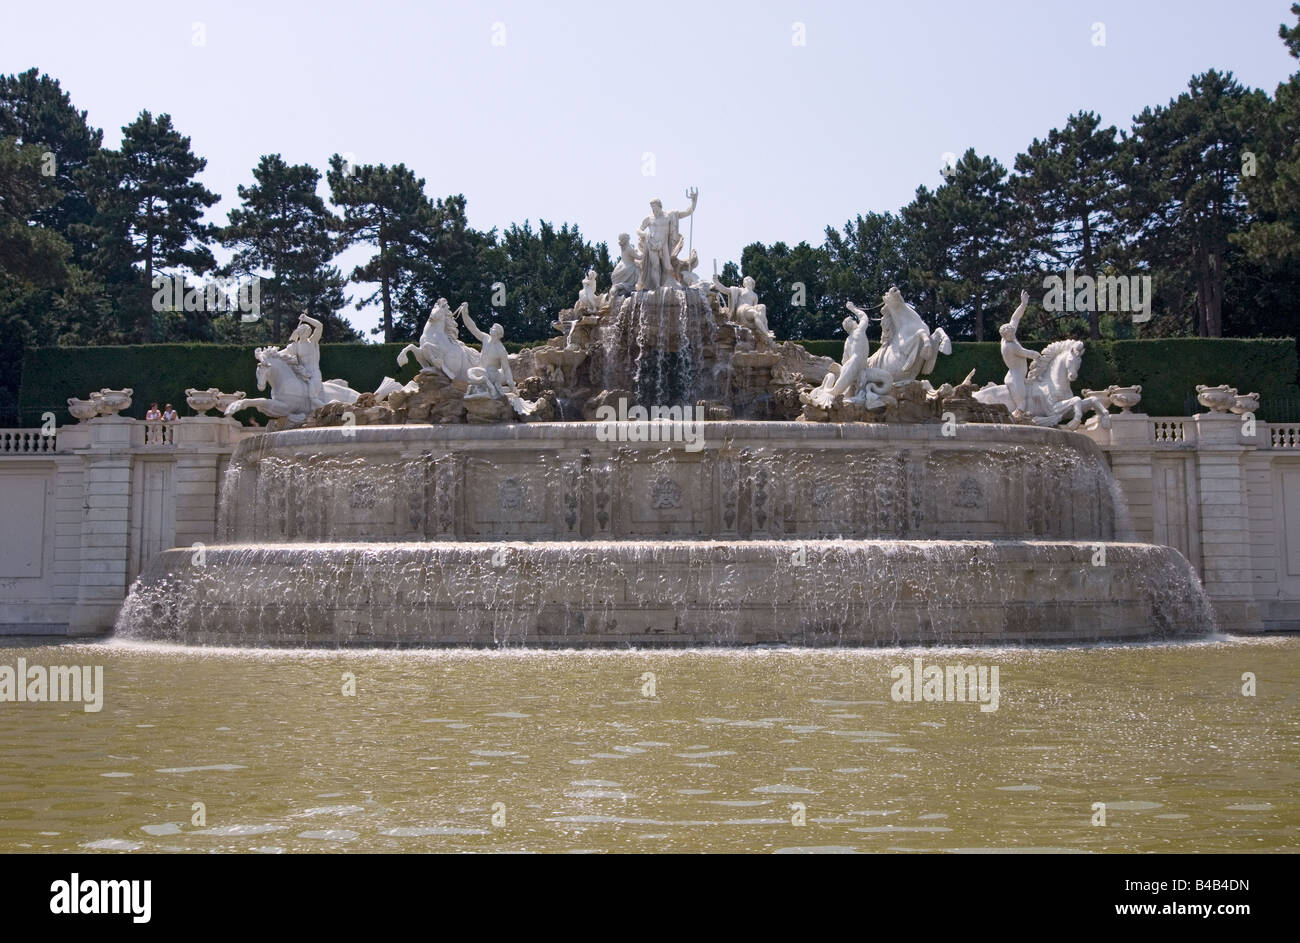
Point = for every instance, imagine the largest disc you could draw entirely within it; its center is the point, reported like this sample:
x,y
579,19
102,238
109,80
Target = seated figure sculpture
x,y
625,272
743,306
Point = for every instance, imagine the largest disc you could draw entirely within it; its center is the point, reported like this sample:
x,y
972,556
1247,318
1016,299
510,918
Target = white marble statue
x,y
1048,397
857,382
1016,357
293,373
291,397
492,376
626,271
741,302
302,353
440,348
659,238
588,301
908,349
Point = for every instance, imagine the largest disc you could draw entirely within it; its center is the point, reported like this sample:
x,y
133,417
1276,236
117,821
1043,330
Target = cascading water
x,y
660,346
546,534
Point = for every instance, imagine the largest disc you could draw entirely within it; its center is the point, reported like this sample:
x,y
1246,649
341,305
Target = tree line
x,y
1201,195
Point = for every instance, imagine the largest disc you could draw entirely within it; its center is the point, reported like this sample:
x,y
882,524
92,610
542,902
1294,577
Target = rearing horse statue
x,y
1048,397
908,349
290,396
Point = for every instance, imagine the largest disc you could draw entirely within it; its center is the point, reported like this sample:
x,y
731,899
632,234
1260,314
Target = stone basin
x,y
666,593
668,533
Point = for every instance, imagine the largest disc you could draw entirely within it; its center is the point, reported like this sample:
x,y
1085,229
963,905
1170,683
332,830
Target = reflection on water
x,y
564,751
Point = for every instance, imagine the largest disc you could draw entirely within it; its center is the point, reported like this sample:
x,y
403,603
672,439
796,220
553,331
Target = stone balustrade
x,y
27,442
1283,436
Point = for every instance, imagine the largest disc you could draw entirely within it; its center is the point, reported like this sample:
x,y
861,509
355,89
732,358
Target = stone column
x,y
105,526
1226,564
197,493
201,444
1129,451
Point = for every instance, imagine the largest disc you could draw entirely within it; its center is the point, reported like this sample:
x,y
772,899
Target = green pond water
x,y
513,751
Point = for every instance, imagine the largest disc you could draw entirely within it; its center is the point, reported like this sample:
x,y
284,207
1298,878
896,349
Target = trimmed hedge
x,y
1168,371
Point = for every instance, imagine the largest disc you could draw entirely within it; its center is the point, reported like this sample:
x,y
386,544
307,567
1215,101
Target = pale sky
x,y
559,117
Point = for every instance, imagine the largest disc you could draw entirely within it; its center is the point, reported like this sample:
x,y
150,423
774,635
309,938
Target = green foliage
x,y
820,348
793,283
542,271
384,208
1169,370
1181,198
38,113
149,206
981,356
1068,182
1291,34
283,234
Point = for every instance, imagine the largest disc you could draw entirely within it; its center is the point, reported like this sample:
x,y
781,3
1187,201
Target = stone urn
x,y
83,409
112,402
202,400
1218,398
225,399
1102,395
1125,397
1246,403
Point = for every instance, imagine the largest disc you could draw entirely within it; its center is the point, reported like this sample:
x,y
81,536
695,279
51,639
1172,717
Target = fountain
x,y
665,472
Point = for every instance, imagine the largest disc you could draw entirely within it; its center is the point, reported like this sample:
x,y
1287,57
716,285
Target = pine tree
x,y
40,115
34,263
863,262
1271,241
1180,201
959,243
384,207
149,206
453,261
793,284
1067,182
284,233
1291,34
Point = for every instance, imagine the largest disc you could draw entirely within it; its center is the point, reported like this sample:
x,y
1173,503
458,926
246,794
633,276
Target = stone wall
x,y
87,508
1225,492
